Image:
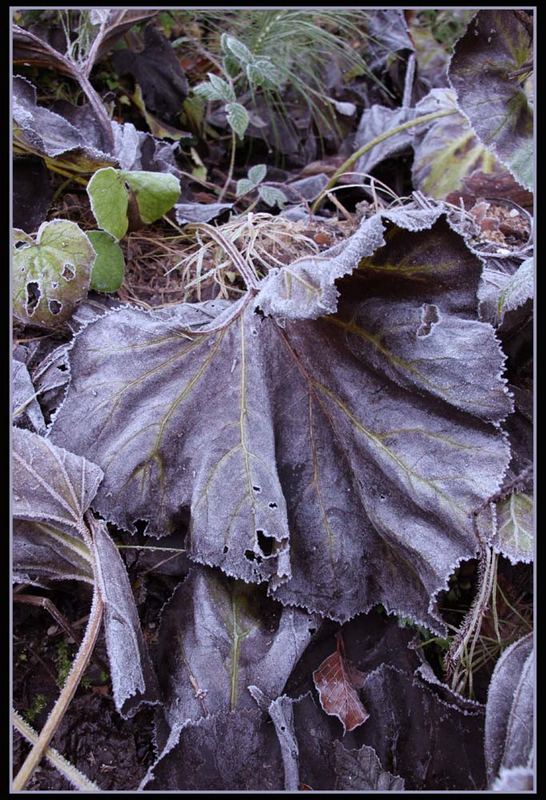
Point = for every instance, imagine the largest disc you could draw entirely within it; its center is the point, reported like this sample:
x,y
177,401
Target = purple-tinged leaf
x,y
199,212
361,770
217,636
337,458
133,678
26,412
509,733
488,70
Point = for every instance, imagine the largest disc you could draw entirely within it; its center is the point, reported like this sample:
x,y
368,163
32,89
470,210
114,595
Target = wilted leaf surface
x,y
331,456
25,408
510,709
52,275
217,637
486,72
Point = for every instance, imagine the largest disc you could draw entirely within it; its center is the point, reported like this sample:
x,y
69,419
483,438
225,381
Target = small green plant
x,y
269,194
36,707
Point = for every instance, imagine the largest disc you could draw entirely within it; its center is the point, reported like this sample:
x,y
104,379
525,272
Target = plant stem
x,y
231,166
68,770
69,689
412,123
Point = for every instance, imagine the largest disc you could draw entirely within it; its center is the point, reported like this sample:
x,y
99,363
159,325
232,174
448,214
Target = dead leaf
x,y
336,681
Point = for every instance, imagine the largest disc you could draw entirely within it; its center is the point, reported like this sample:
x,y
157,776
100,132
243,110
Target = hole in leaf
x,y
33,297
272,505
141,525
21,246
62,367
265,543
382,497
68,272
226,548
251,556
54,306
429,317
257,489
312,631
54,284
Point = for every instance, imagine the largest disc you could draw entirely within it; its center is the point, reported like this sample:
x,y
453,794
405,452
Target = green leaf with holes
x,y
51,274
109,267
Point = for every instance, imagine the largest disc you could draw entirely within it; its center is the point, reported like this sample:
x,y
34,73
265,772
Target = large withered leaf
x,y
26,412
218,636
509,731
340,456
337,682
488,69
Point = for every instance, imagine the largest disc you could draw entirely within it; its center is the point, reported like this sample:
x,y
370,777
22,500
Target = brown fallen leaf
x,y
336,681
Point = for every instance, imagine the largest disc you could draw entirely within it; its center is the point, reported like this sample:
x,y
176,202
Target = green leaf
x,y
207,91
515,532
237,117
264,73
222,88
51,275
488,71
236,48
518,290
109,267
243,187
257,173
109,201
156,192
272,196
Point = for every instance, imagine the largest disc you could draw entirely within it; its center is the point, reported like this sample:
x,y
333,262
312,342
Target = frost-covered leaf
x,y
416,732
272,196
45,552
199,212
233,750
133,678
514,534
42,132
516,779
207,91
509,726
337,682
487,70
218,636
237,49
155,192
109,267
237,117
50,485
25,409
257,173
51,276
224,91
375,121
109,201
244,186
447,150
340,457
361,770
263,72
519,289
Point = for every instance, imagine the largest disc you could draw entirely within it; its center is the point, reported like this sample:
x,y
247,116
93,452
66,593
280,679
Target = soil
x,y
113,752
